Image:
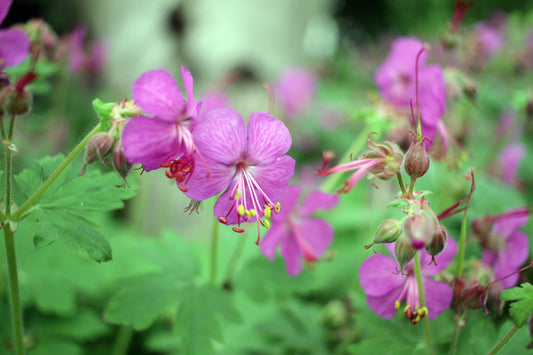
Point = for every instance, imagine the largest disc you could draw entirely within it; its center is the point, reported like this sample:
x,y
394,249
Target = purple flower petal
x,y
510,159
188,82
221,136
509,260
149,141
4,9
276,234
268,138
200,186
274,177
318,200
290,250
438,297
288,201
379,275
507,224
156,93
14,47
383,305
432,94
317,233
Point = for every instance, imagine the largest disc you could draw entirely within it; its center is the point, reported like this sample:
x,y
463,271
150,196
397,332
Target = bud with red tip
x,y
419,228
119,162
416,162
437,242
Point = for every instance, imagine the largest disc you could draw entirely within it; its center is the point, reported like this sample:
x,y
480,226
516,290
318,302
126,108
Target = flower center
x,y
412,308
249,201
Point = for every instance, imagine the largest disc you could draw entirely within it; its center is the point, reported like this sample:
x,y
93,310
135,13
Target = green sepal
x,y
104,112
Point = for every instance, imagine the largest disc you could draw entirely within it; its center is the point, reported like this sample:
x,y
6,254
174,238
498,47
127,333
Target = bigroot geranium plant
x,y
422,248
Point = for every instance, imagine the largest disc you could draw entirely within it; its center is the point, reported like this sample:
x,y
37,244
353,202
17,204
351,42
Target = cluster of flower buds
x,y
383,161
419,229
106,146
15,99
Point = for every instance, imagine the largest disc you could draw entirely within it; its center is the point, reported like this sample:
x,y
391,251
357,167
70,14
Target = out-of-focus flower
x,y
93,61
396,82
489,40
166,135
510,159
248,164
386,287
299,235
505,249
14,43
295,89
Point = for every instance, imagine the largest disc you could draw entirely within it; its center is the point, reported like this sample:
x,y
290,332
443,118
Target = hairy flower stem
x,y
411,187
122,342
14,292
504,340
214,252
455,338
400,182
19,214
427,329
329,184
462,244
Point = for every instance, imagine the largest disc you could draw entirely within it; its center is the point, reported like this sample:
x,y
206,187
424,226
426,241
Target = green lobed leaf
x,y
197,321
522,302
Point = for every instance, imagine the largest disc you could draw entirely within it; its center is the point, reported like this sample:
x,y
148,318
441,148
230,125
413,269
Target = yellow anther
x,y
397,305
238,194
278,207
267,212
248,214
266,223
240,210
406,308
253,212
424,312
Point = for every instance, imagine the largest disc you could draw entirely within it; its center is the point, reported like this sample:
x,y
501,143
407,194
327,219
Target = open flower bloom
x,y
14,44
396,82
505,249
165,136
386,287
93,61
489,40
295,90
510,159
299,234
249,165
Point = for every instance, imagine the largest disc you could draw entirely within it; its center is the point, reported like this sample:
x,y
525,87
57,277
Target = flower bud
x,y
16,103
420,229
404,251
98,147
416,159
437,242
119,162
390,154
388,231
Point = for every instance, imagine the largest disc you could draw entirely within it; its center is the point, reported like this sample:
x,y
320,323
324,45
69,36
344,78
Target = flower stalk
x,y
504,340
427,328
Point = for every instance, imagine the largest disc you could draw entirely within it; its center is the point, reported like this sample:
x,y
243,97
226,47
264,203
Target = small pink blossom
x,y
510,159
386,287
299,235
164,136
295,90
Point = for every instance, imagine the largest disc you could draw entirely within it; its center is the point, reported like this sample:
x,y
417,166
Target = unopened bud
x,y
119,162
404,251
388,231
16,103
98,147
437,242
416,159
420,229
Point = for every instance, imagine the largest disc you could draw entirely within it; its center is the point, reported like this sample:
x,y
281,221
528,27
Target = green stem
x,y
2,128
122,342
411,187
14,293
400,182
462,245
234,261
427,328
504,340
456,329
329,184
214,250
30,201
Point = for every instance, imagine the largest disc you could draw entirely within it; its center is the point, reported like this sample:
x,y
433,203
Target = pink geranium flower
x,y
505,248
295,89
248,164
510,159
93,61
164,136
386,287
14,44
395,79
299,235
